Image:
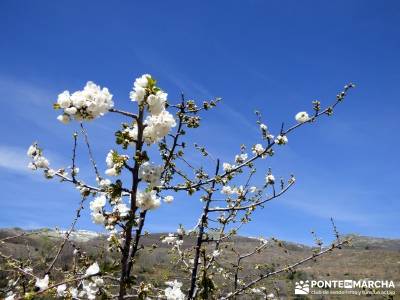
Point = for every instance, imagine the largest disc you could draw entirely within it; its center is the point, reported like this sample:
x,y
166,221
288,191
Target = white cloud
x,y
14,159
340,209
25,101
22,92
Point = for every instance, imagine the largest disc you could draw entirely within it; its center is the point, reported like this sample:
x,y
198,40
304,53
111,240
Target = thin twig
x,y
290,267
84,132
67,234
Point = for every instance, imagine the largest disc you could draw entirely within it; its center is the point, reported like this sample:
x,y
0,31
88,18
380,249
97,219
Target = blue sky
x,y
275,56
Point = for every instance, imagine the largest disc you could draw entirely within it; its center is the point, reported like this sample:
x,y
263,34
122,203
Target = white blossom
x,y
43,283
170,239
281,140
137,94
158,126
78,99
111,172
32,166
258,149
139,88
132,132
157,102
50,173
64,118
252,189
87,104
227,167
103,183
159,122
263,127
241,158
90,289
123,209
270,179
115,163
83,189
10,296
227,190
302,117
98,218
98,203
256,291
41,162
239,190
173,292
92,270
168,199
216,253
109,159
73,292
71,110
151,173
33,150
98,281
96,207
38,160
142,81
148,200
64,99
61,290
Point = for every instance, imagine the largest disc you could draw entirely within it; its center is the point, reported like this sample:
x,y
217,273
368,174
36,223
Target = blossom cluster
x,y
90,285
227,167
148,200
158,126
102,217
87,104
265,133
172,239
270,179
281,140
258,149
228,190
173,291
241,158
159,122
38,160
302,117
96,208
115,163
151,174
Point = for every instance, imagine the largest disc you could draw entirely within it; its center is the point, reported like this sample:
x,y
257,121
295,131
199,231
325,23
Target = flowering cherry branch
x,y
122,210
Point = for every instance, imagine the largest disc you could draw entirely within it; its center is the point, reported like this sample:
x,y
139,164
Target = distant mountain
x,y
365,257
373,243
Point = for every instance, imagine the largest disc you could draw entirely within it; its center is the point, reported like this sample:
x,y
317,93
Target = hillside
x,y
366,257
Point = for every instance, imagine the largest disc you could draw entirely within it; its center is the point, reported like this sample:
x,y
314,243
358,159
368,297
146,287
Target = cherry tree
x,y
227,191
